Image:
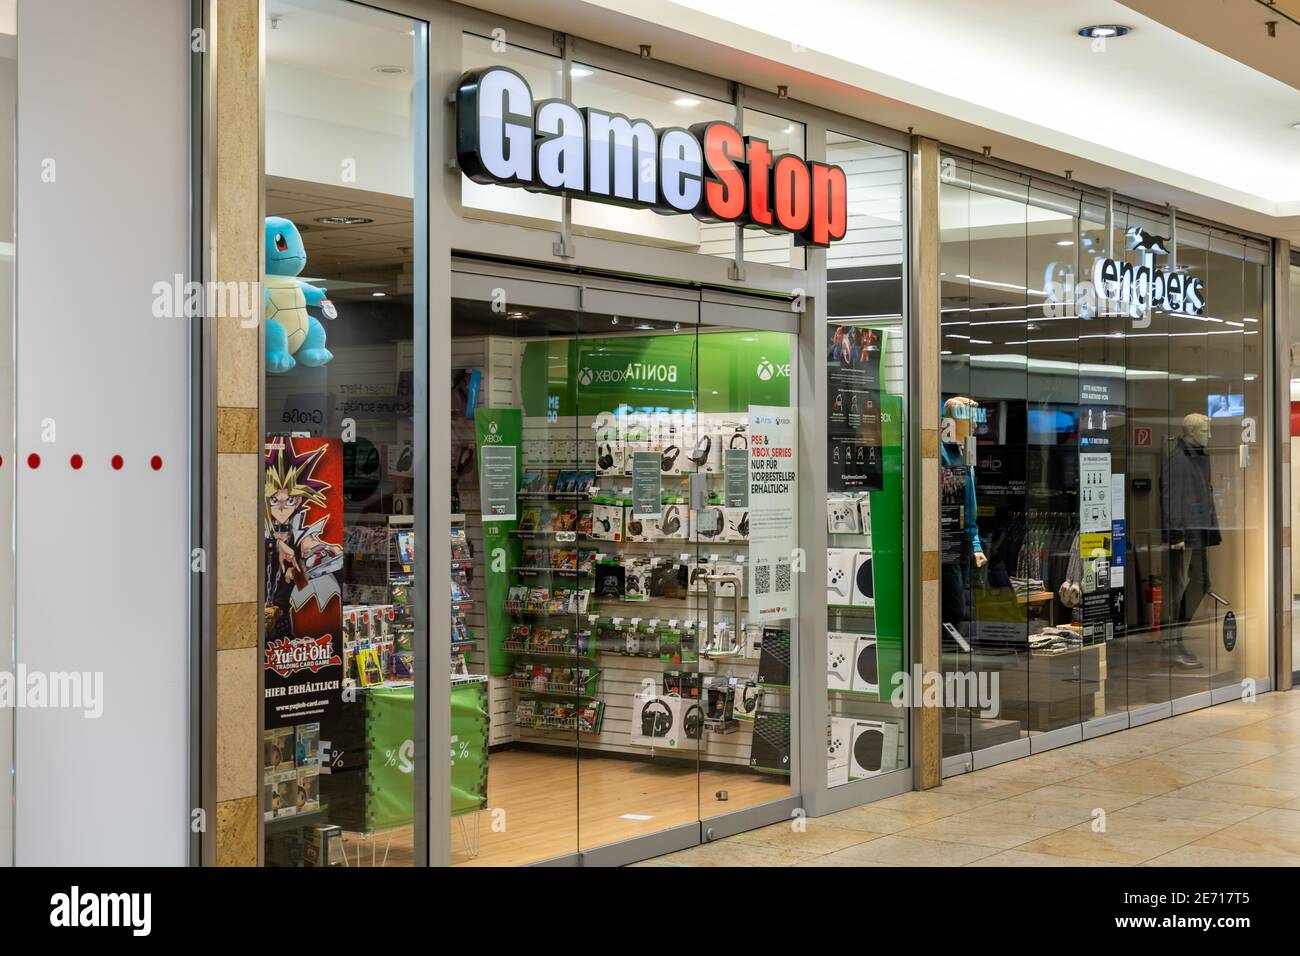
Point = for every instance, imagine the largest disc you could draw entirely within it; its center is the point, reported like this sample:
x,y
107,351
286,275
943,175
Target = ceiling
x,y
345,40
1199,114
360,259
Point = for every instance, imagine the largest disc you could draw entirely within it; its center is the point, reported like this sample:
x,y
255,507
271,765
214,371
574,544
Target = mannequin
x,y
961,531
1191,526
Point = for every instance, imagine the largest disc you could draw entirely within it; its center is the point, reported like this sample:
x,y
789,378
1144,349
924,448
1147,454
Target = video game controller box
x,y
842,515
839,575
838,739
840,654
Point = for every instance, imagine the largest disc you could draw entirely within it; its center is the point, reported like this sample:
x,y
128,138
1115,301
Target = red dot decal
x,y
33,460
155,462
117,462
75,461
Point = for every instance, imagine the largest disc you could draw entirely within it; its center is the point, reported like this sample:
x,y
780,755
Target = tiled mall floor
x,y
1216,787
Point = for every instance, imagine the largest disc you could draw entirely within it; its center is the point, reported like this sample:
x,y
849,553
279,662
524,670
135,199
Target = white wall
x,y
102,566
8,100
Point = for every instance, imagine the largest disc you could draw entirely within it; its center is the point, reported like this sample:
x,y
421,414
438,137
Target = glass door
x,y
634,368
746,538
521,665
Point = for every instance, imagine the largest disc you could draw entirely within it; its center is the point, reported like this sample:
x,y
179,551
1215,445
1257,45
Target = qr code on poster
x,y
783,577
762,579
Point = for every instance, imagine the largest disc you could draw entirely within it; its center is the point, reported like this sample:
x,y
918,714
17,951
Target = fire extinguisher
x,y
1154,595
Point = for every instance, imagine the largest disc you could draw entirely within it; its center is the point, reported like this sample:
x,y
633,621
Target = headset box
x,y
639,529
736,524
673,524
709,524
657,721
607,522
609,456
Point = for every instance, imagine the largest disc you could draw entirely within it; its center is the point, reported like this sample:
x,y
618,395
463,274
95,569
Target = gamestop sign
x,y
709,171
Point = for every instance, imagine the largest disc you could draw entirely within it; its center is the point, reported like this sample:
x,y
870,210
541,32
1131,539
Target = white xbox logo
x,y
492,427
584,376
765,370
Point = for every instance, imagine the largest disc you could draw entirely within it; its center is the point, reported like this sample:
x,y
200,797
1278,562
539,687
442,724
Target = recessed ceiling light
x,y
1065,242
517,316
1189,378
686,102
1250,376
343,220
379,295
391,69
1104,31
645,327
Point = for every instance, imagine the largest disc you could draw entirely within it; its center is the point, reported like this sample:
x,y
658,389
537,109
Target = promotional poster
x,y
303,633
853,452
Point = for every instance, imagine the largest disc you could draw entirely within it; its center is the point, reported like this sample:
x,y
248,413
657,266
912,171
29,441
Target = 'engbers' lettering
x,y
709,171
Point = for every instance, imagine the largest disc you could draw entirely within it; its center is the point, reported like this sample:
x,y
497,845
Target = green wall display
x,y
887,544
588,376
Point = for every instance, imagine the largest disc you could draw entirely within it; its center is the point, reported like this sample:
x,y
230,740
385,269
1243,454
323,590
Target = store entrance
x,y
623,497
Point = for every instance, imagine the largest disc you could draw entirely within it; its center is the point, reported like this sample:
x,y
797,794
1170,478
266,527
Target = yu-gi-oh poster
x,y
303,561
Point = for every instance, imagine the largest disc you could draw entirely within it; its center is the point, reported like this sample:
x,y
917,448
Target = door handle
x,y
715,579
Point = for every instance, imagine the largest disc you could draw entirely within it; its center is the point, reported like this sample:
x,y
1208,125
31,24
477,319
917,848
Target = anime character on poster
x,y
300,566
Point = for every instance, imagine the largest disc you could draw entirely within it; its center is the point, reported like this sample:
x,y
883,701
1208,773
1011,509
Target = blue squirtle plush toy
x,y
292,334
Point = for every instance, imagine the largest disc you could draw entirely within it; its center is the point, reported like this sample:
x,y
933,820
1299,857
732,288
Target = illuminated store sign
x,y
1141,287
709,171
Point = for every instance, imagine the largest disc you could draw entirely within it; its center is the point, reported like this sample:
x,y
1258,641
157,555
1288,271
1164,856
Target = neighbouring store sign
x,y
709,171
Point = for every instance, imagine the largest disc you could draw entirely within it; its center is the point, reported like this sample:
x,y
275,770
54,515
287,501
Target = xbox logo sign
x,y
584,376
766,370
493,428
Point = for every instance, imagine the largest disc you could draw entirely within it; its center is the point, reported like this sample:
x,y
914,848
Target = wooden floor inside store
x,y
543,805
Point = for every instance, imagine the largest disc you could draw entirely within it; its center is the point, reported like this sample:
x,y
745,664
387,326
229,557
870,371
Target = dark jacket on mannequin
x,y
1188,498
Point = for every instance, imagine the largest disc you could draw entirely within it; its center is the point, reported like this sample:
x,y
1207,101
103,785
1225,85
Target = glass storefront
x,y
629,493
866,379
343,288
1103,483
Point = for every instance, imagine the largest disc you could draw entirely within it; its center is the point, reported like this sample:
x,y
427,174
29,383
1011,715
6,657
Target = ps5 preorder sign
x,y
709,171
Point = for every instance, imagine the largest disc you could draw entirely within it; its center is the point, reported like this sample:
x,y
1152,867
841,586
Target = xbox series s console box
x,y
840,656
873,748
866,667
863,590
838,738
839,575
